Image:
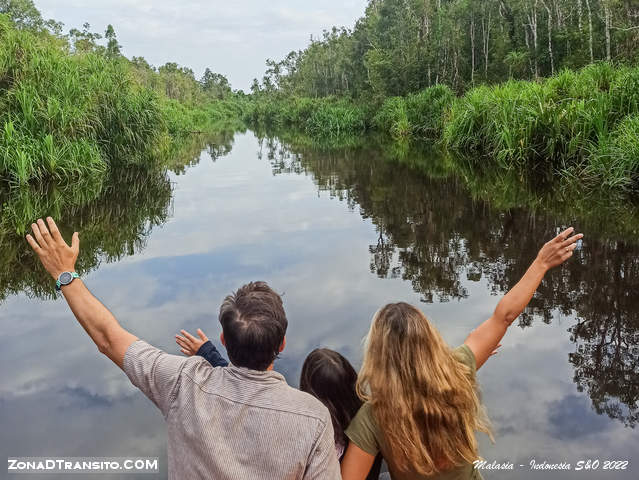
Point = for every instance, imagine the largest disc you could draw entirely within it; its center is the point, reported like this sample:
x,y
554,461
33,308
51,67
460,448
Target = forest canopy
x,y
402,46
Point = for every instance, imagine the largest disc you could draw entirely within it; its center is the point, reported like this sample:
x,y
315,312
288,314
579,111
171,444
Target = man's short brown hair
x,y
254,325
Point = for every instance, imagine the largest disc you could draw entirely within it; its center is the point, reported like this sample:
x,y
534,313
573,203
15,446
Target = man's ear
x,y
283,346
222,339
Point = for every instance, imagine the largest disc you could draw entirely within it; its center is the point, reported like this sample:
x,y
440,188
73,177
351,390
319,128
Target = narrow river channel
x,y
339,233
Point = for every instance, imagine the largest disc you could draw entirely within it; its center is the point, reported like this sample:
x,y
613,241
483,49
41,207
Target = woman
x,y
421,407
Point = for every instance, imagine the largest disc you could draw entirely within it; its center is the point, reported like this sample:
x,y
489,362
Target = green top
x,y
364,433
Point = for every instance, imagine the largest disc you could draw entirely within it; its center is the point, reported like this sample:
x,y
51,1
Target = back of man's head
x,y
254,325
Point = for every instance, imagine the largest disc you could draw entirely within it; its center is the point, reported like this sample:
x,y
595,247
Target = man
x,y
238,422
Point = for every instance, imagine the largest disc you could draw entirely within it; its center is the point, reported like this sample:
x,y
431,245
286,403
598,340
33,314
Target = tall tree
x,y
113,48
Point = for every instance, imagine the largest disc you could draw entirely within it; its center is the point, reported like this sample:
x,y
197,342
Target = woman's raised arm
x,y
484,339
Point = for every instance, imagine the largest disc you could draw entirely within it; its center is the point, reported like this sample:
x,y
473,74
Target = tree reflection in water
x,y
114,217
440,225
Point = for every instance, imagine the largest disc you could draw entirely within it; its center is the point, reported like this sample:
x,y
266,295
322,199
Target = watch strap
x,y
58,285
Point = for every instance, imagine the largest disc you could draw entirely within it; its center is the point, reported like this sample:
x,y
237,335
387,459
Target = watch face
x,y
65,278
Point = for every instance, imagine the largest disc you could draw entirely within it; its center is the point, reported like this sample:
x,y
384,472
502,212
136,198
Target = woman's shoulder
x,y
364,414
363,430
465,355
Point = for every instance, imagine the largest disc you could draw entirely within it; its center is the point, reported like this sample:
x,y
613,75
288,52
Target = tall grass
x,y
616,162
335,120
418,114
182,120
68,116
558,122
579,124
392,117
316,116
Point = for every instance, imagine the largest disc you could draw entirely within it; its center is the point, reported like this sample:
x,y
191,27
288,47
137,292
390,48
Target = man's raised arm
x,y
484,339
57,258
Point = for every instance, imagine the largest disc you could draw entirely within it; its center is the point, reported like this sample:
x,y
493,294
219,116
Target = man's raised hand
x,y
54,253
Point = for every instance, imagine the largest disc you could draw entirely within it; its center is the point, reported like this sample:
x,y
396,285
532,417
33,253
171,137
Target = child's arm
x,y
189,345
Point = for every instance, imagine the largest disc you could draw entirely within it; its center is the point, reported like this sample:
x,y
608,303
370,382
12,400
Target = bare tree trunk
x,y
559,15
472,47
592,55
579,14
532,24
424,31
439,42
552,58
485,24
527,40
608,21
455,78
507,13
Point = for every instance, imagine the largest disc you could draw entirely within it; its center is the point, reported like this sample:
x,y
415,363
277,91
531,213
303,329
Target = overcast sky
x,y
232,37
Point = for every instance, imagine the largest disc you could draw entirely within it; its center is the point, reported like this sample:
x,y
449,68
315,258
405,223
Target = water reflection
x,y
435,234
115,216
113,222
188,152
409,226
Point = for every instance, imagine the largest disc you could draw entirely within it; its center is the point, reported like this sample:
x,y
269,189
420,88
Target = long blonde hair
x,y
423,399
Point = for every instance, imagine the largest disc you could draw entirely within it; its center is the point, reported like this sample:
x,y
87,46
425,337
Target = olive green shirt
x,y
364,433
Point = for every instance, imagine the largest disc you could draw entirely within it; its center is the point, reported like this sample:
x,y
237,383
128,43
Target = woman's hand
x,y
54,253
558,250
189,345
484,340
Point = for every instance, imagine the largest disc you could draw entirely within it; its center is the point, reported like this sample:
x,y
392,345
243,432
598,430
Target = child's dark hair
x,y
330,378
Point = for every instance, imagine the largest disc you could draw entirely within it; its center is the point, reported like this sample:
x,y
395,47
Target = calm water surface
x,y
339,233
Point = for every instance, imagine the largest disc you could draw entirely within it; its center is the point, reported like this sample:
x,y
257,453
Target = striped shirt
x,y
232,422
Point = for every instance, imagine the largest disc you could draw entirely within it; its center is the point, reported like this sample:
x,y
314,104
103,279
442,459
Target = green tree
x,y
215,84
85,41
23,13
401,46
113,48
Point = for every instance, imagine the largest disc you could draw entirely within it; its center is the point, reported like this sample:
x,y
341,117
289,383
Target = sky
x,y
230,37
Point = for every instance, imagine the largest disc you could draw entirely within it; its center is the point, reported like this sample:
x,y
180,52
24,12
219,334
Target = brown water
x,y
339,232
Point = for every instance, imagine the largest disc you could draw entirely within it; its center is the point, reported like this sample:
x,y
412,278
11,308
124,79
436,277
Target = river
x,y
338,232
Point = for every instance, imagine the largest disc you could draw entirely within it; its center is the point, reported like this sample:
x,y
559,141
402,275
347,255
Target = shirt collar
x,y
268,376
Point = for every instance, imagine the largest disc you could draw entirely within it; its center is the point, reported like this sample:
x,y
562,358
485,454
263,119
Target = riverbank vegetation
x,y
579,123
72,107
317,116
515,85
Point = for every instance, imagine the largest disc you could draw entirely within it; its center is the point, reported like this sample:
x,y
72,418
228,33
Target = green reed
x,y
319,117
575,122
67,116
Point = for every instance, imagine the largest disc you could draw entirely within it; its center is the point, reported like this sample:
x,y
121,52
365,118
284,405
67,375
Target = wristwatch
x,y
65,278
